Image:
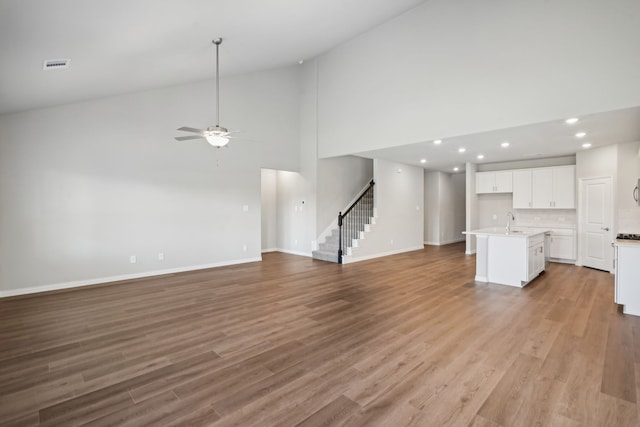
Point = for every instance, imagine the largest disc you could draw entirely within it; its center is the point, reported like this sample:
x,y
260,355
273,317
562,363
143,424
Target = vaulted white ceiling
x,y
120,46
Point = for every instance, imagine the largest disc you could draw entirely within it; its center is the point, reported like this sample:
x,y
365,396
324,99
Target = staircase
x,y
328,251
351,227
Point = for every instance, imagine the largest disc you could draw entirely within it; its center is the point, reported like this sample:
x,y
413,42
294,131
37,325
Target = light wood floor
x,y
403,340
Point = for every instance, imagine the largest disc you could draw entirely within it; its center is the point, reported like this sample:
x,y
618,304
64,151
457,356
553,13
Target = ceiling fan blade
x,y
186,138
188,129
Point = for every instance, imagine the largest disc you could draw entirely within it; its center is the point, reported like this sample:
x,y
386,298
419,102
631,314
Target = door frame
x,y
580,218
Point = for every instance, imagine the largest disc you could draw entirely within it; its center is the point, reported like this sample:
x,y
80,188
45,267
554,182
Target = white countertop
x,y
624,242
515,232
549,226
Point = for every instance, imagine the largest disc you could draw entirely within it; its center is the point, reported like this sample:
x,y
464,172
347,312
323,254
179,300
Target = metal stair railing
x,y
352,222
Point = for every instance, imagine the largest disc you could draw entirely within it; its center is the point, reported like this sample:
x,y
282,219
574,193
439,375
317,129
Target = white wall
x,y
431,207
306,202
597,162
340,180
628,174
85,186
448,68
444,199
294,216
309,151
269,210
471,206
628,216
459,188
399,201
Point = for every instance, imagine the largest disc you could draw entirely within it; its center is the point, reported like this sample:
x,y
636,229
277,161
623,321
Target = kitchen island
x,y
512,258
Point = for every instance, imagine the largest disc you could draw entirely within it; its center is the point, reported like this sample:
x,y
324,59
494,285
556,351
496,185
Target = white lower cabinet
x,y
535,257
562,245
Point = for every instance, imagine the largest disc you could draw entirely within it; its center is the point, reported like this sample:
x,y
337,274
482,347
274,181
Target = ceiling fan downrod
x,y
217,42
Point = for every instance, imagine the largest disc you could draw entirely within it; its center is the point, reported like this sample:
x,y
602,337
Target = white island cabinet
x,y
511,258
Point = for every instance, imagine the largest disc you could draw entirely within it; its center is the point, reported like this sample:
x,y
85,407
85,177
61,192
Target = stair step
x,y
325,256
328,247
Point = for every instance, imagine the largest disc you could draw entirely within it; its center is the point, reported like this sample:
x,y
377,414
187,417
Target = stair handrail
x,y
341,216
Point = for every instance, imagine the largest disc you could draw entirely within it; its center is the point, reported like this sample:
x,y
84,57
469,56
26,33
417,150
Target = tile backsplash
x,y
560,218
629,220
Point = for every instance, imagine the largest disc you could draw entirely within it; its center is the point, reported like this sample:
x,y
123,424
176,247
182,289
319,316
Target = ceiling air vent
x,y
56,64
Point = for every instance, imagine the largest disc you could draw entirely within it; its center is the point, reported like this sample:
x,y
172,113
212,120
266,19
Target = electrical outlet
x,y
244,248
160,256
495,217
132,259
245,208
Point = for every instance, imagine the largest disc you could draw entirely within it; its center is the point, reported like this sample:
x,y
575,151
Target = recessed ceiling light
x,y
572,121
301,62
504,144
586,145
461,150
480,156
581,134
423,160
456,169
437,141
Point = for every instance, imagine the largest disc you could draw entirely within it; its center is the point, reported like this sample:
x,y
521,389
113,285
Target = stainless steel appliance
x,y
627,236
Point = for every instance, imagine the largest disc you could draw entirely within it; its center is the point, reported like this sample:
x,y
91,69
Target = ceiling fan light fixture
x,y
217,135
217,140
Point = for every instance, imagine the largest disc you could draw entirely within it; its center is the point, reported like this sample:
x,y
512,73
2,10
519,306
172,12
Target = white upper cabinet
x,y
564,187
494,182
545,188
542,189
522,189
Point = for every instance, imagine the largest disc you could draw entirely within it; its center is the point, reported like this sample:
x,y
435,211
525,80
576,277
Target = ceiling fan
x,y
217,135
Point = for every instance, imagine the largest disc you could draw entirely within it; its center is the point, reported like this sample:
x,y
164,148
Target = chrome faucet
x,y
510,217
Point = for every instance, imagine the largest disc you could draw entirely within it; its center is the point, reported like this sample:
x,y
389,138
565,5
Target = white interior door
x,y
596,225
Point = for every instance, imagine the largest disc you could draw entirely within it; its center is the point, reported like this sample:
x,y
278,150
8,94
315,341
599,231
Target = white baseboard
x,y
350,259
119,278
469,252
446,242
269,250
563,261
307,254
